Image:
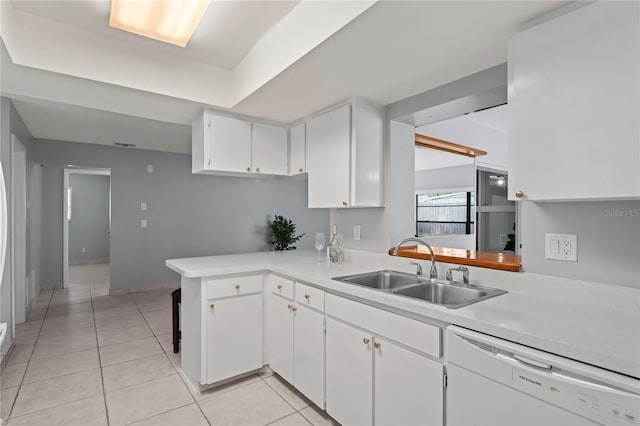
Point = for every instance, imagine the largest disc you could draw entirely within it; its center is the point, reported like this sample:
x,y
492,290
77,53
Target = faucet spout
x,y
433,273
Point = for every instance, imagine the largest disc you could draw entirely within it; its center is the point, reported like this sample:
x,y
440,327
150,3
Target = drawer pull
x,y
294,309
258,169
306,296
211,306
365,341
300,169
279,286
248,169
289,307
344,203
377,345
237,286
519,194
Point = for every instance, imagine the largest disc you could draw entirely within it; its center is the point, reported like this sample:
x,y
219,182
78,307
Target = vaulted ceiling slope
x,y
277,60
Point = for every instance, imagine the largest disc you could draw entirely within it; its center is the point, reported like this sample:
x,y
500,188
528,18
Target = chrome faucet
x,y
465,275
433,273
419,270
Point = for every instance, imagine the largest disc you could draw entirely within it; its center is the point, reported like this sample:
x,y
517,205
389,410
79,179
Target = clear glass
x,y
319,242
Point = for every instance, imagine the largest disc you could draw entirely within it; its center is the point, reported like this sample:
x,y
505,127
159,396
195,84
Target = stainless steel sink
x,y
417,287
382,280
449,295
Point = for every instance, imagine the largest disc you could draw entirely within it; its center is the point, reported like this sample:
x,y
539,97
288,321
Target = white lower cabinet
x,y
308,353
374,380
349,374
296,337
281,337
407,387
234,336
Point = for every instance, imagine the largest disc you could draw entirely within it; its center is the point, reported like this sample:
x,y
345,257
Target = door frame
x,y
65,222
18,226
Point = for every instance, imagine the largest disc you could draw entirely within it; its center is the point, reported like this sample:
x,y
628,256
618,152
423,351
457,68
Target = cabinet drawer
x,y
281,286
310,296
226,287
415,334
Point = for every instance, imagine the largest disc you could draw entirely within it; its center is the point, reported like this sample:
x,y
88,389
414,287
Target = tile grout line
x,y
30,355
95,328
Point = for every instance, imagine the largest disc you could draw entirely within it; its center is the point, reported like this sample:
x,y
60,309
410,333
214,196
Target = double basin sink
x,y
422,288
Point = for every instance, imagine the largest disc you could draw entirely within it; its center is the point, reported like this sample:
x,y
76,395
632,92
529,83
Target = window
x,y
445,213
69,198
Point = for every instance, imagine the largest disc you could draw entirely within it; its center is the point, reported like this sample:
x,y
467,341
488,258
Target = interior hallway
x,y
86,358
94,275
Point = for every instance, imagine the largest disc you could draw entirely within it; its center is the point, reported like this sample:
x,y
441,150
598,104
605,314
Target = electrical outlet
x,y
561,247
143,223
150,168
357,232
84,249
143,207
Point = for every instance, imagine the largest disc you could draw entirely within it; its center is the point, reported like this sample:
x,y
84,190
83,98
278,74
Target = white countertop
x,y
594,323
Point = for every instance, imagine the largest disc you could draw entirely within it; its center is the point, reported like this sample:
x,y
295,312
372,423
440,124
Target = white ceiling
x,y
274,60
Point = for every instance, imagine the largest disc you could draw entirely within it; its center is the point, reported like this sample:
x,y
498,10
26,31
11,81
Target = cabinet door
x,y
229,144
329,158
234,336
309,354
349,363
297,150
573,105
269,149
408,387
281,337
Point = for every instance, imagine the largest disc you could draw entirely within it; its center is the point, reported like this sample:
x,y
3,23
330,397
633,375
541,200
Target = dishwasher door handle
x,y
531,362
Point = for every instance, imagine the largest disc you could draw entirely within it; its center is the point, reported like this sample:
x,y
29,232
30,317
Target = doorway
x,y
86,228
19,229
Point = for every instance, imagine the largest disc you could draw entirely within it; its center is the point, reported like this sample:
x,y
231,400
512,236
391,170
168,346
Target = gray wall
x,y
188,215
608,240
89,225
11,122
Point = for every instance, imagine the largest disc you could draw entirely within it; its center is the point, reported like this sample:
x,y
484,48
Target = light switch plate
x,y
150,168
561,247
143,223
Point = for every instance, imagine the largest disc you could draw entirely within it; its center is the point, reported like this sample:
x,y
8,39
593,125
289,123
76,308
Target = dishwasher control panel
x,y
579,396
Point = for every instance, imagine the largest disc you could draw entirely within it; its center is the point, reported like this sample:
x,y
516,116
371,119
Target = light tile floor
x,y
93,275
86,358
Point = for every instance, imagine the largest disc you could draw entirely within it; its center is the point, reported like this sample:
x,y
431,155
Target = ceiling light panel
x,y
170,21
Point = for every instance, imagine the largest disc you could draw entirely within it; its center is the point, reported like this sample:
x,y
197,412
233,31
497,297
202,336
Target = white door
x,y
408,387
234,336
19,227
308,350
329,158
269,149
281,337
349,374
229,144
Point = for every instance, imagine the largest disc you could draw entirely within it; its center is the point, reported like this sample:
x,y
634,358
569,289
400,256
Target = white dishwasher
x,y
496,382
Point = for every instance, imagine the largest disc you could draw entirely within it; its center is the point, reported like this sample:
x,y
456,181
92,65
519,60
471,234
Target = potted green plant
x,y
284,234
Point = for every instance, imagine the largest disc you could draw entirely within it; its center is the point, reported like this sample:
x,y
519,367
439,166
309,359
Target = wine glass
x,y
319,245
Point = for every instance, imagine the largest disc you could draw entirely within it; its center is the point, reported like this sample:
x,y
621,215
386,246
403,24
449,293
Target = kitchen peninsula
x,y
239,297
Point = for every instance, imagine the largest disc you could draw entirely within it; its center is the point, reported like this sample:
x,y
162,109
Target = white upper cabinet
x,y
574,106
297,150
344,157
220,143
224,144
269,149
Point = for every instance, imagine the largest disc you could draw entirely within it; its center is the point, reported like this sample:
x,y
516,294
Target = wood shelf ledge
x,y
482,259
